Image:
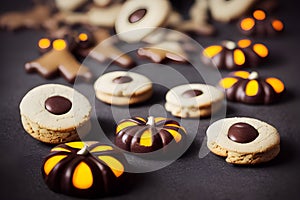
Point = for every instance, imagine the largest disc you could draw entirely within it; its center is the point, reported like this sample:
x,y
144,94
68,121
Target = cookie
x,y
193,100
123,88
260,24
66,6
85,169
198,22
58,59
243,140
54,113
33,18
249,88
226,11
235,55
143,17
171,50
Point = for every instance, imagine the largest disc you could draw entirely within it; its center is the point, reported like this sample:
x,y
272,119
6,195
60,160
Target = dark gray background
x,y
189,177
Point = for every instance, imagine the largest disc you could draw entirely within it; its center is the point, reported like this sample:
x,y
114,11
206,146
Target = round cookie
x,y
54,113
243,140
141,16
193,100
123,88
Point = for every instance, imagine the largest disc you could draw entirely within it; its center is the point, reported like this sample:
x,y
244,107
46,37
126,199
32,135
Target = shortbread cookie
x,y
193,100
243,140
54,113
123,88
142,17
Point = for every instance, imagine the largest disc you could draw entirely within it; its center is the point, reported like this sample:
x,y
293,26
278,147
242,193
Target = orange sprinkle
x,y
247,24
44,43
259,15
261,50
59,44
244,43
277,25
83,37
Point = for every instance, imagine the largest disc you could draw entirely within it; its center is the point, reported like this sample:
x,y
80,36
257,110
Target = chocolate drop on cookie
x,y
242,133
58,105
122,79
192,93
137,15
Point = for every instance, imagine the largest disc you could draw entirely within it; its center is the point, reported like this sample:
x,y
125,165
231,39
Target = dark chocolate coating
x,y
262,28
137,15
192,93
129,137
265,94
104,181
122,79
225,58
242,133
58,105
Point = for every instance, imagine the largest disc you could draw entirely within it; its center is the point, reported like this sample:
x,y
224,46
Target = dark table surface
x,y
189,177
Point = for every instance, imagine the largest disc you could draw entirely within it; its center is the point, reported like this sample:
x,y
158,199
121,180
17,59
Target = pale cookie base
x,y
193,112
201,106
54,136
121,100
51,128
157,15
264,148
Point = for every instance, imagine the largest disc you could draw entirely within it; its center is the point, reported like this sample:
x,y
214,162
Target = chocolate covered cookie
x,y
84,169
54,113
249,88
235,55
243,140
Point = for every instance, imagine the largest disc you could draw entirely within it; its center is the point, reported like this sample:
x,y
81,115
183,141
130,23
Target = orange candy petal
x,y
259,15
247,24
239,57
242,74
211,51
228,82
276,84
244,43
277,25
261,50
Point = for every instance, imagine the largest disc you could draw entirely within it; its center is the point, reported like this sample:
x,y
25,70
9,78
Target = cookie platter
x,y
64,115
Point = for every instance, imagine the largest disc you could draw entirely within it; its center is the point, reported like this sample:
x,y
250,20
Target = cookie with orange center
x,y
243,141
235,55
260,24
84,169
249,88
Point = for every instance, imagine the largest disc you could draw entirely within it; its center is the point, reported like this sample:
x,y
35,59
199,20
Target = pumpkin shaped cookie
x,y
231,55
249,88
84,169
140,136
260,24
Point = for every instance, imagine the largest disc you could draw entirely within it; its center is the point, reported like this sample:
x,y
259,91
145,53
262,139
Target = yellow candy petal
x,y
211,51
115,165
252,88
239,57
228,82
52,162
146,139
